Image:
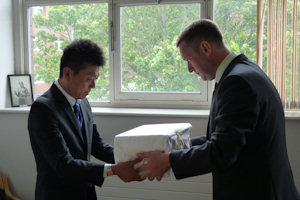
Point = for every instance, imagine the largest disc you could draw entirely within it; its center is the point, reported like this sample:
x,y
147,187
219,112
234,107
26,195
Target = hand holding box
x,y
151,137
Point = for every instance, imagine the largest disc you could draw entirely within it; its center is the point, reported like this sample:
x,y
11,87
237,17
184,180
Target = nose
x,y
190,67
93,84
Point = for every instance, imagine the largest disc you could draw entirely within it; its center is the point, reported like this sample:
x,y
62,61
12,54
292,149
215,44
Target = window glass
x,y
292,101
150,60
54,27
237,21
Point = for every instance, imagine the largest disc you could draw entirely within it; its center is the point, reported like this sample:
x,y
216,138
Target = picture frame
x,y
20,89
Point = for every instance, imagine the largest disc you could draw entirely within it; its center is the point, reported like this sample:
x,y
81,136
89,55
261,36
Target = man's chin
x,y
85,95
204,78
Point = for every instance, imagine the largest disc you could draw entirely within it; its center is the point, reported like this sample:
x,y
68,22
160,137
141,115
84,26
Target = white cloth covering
x,y
151,137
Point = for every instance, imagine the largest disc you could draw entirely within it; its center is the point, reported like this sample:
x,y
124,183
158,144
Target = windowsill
x,y
150,112
129,112
98,111
15,110
289,114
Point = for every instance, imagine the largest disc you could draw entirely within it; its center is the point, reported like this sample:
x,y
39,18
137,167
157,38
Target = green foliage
x,y
237,21
150,60
163,70
65,23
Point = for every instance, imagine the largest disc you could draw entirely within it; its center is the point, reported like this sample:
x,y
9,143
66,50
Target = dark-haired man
x,y
64,135
245,146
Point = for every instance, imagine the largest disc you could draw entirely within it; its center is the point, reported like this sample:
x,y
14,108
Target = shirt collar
x,y
70,99
224,64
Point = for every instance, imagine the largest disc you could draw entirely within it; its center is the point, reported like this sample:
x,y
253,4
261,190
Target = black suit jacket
x,y
245,146
62,151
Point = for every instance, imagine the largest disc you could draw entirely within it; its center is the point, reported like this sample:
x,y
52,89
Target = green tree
x,y
150,60
66,23
237,21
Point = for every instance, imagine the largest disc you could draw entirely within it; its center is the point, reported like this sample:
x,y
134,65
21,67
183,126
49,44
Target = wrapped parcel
x,y
151,137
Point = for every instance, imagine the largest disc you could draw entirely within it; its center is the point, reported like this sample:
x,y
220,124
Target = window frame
x,y
117,97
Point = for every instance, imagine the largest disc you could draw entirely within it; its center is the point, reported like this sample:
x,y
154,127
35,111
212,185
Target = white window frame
x,y
146,98
57,45
117,97
38,9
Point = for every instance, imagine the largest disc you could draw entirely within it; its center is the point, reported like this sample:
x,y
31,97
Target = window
x,y
270,35
280,21
144,68
237,21
33,44
56,27
37,10
150,67
58,45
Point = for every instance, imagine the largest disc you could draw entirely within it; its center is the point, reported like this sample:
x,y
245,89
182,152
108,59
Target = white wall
x,y
6,49
17,161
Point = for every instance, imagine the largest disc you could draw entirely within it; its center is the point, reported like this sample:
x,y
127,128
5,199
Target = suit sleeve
x,y
51,148
198,140
236,110
100,149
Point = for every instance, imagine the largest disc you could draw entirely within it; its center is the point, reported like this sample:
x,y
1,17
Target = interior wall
x,y
17,161
6,49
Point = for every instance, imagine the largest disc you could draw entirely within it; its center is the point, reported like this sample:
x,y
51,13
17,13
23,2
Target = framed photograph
x,y
20,88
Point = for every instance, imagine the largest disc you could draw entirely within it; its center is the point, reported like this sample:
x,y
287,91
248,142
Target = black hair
x,y
80,54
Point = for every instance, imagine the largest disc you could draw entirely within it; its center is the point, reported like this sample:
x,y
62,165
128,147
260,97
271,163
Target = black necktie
x,y
78,114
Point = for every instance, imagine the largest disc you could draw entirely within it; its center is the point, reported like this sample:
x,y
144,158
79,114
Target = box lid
x,y
157,129
149,137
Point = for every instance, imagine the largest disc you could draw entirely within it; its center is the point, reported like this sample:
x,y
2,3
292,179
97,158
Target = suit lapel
x,y
86,122
214,105
73,119
210,123
63,102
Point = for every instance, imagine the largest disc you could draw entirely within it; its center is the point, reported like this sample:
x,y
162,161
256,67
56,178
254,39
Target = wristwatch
x,y
109,171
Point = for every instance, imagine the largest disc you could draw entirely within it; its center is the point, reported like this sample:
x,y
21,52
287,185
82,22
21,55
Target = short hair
x,y
80,54
201,30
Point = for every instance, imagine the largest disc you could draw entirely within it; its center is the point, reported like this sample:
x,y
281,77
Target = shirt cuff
x,y
107,170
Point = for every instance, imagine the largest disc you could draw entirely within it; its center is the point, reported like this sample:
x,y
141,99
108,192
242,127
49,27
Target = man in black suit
x,y
63,141
245,145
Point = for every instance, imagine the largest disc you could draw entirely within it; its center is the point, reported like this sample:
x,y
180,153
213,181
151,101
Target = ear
x,y
205,48
68,73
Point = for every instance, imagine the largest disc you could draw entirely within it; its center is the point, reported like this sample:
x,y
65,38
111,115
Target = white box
x,y
151,137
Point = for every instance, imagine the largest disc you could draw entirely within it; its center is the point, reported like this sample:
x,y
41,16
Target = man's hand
x,y
126,172
155,164
190,142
